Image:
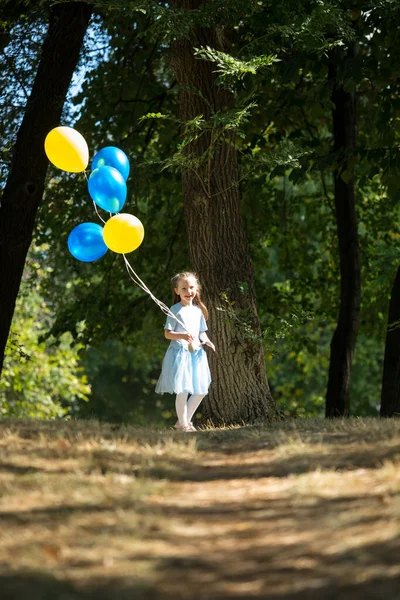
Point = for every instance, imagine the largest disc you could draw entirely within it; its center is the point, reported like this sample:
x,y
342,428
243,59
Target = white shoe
x,y
187,428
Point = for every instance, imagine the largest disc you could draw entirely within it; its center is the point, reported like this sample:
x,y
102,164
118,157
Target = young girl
x,y
185,367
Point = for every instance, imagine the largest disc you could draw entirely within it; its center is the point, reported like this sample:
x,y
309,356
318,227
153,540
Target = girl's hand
x,y
209,344
188,337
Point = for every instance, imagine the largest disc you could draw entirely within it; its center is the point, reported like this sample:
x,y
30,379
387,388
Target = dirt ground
x,y
303,510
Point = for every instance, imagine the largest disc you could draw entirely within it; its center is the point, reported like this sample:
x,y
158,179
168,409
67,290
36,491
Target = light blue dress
x,y
183,371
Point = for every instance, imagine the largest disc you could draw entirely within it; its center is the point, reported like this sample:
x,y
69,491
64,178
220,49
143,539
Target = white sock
x,y
181,408
193,404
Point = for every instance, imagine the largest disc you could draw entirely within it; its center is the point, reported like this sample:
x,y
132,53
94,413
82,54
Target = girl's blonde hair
x,y
197,299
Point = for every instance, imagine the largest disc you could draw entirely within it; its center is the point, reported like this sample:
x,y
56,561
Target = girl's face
x,y
186,289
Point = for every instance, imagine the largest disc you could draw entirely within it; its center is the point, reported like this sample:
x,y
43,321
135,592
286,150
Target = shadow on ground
x,y
237,521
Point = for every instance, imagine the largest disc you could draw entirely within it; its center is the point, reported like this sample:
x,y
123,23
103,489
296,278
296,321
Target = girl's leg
x,y
181,408
193,404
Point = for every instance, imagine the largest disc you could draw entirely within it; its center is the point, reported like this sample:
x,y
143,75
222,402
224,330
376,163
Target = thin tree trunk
x,y
390,398
344,339
218,246
24,189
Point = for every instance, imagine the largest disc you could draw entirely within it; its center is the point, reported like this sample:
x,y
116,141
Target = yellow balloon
x,y
67,149
123,233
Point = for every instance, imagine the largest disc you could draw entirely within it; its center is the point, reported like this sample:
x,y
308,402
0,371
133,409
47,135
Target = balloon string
x,y
97,213
136,279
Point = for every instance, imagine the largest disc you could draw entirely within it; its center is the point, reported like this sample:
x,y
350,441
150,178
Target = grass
x,y
303,509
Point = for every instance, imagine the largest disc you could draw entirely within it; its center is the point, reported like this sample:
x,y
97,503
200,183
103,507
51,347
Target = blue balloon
x,y
110,156
107,188
85,242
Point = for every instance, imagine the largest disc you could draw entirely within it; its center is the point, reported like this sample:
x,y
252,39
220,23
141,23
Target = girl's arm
x,y
205,341
175,335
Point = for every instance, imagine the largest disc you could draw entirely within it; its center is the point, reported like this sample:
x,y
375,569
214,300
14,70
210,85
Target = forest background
x,y
85,341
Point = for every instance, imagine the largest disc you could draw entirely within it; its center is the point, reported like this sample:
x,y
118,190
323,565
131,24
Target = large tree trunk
x,y
344,339
390,399
24,189
218,247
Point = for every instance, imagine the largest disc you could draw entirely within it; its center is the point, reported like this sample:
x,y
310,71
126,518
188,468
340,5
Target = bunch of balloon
x,y
122,233
67,149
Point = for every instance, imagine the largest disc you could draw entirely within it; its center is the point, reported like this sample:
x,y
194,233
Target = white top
x,y
193,319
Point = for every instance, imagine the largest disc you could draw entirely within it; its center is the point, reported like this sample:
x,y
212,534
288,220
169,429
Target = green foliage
x,y
326,26
231,69
166,21
41,378
298,370
276,328
217,130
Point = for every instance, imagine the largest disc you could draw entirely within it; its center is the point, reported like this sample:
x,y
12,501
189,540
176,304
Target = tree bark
x,y
344,339
24,189
218,247
390,398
